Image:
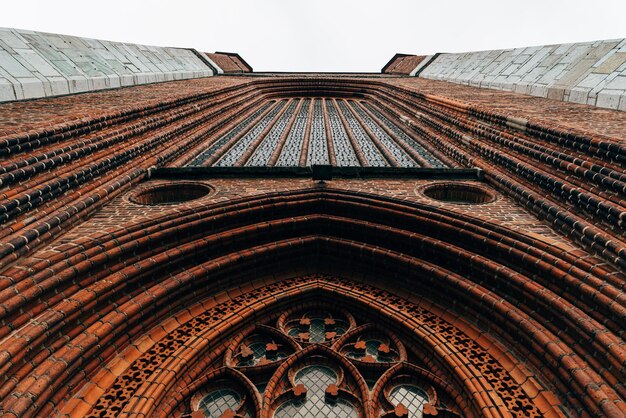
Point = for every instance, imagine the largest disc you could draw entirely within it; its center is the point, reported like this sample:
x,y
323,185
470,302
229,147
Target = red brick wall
x,y
403,64
90,282
229,63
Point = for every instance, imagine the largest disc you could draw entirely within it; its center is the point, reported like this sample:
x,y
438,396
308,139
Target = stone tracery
x,y
389,377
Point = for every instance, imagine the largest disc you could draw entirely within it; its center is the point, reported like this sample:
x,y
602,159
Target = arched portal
x,y
172,291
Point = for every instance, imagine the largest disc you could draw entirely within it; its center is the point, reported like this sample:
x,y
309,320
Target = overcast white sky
x,y
325,35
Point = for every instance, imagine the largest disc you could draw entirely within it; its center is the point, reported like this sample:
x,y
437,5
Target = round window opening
x,y
458,193
171,194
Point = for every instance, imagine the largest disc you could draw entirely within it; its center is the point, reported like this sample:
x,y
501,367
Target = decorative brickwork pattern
x,y
473,357
511,285
569,176
156,269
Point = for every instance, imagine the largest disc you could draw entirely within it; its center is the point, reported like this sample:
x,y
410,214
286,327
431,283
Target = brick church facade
x,y
241,244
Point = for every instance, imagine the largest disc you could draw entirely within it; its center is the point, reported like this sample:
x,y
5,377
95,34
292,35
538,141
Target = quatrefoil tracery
x,y
314,363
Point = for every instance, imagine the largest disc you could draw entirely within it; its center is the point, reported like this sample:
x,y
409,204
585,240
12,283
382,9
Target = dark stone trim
x,y
317,172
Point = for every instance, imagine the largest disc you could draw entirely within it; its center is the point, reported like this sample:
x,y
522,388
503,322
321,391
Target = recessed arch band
x,y
138,275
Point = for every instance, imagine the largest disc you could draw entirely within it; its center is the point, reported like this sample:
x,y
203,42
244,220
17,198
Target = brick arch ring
x,y
107,296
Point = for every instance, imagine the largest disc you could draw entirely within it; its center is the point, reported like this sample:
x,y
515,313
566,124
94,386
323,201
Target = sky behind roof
x,y
325,35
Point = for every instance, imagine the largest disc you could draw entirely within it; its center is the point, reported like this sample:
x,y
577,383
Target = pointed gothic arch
x,y
180,260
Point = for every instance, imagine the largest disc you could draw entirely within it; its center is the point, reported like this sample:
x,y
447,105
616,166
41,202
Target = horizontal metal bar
x,y
318,172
